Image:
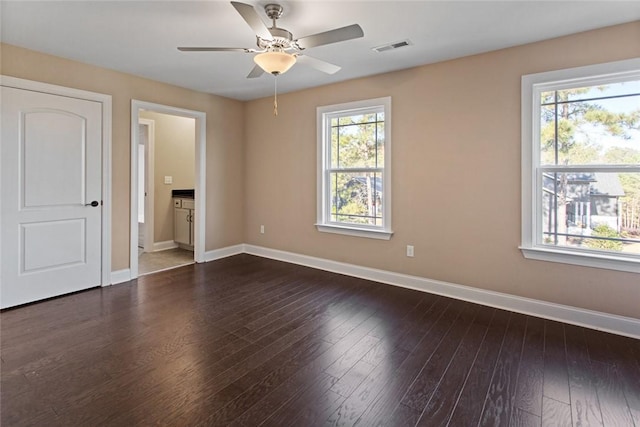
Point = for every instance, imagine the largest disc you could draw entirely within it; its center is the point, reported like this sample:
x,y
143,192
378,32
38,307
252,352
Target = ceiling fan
x,y
277,49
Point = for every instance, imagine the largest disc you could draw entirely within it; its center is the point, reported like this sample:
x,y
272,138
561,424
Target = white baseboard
x,y
223,252
620,325
163,246
119,276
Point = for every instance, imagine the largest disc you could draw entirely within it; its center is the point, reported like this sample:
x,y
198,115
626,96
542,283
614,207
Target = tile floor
x,y
150,262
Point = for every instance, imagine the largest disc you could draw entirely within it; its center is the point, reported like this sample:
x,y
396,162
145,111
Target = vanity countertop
x,y
183,194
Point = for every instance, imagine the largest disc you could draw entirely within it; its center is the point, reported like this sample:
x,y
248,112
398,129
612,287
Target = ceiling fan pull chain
x,y
275,97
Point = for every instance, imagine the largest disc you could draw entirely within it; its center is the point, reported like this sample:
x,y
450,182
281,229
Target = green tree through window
x,y
596,131
357,166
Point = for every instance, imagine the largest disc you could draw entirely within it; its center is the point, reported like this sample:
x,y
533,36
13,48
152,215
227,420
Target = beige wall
x,y
456,174
456,167
174,155
225,173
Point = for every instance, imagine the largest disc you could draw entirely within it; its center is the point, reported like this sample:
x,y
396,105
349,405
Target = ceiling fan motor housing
x,y
273,11
282,39
281,33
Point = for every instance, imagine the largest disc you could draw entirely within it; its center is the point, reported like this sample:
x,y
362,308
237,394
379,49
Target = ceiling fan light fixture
x,y
275,62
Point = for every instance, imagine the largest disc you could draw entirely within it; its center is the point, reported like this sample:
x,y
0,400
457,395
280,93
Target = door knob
x,y
93,204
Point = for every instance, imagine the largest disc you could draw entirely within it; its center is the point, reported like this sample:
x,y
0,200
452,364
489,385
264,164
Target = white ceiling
x,y
141,37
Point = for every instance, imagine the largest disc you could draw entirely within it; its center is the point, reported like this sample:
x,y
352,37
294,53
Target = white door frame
x,y
149,177
200,172
105,101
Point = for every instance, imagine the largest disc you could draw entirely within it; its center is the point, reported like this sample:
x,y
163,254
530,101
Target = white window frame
x,y
324,222
532,87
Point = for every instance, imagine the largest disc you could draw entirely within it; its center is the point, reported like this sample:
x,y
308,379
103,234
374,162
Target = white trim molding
x,y
120,276
164,246
600,260
200,171
620,325
355,231
224,252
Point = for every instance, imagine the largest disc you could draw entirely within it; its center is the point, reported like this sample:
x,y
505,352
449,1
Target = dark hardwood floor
x,y
247,341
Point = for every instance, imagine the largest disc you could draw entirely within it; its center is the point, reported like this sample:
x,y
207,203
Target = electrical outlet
x,y
262,229
410,251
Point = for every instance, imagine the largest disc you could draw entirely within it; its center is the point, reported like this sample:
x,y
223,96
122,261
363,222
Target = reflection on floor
x,y
149,262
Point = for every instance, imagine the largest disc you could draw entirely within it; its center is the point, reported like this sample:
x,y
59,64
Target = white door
x,y
50,177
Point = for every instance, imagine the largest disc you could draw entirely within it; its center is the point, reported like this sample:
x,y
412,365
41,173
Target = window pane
x,y
600,131
592,210
547,135
357,146
358,119
602,91
547,97
356,198
380,145
334,147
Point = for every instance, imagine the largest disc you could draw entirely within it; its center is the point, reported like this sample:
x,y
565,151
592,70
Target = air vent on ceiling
x,y
394,45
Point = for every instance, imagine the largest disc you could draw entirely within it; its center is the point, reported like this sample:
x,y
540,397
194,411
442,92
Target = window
x,y
581,166
354,158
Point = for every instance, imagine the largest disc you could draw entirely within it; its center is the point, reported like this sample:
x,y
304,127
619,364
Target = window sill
x,y
595,260
354,231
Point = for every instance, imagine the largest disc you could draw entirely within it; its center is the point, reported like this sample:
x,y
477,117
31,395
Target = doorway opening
x,y
167,170
146,185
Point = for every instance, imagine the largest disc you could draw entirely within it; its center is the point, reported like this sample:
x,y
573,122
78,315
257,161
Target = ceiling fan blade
x,y
216,49
318,64
256,72
252,18
332,36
